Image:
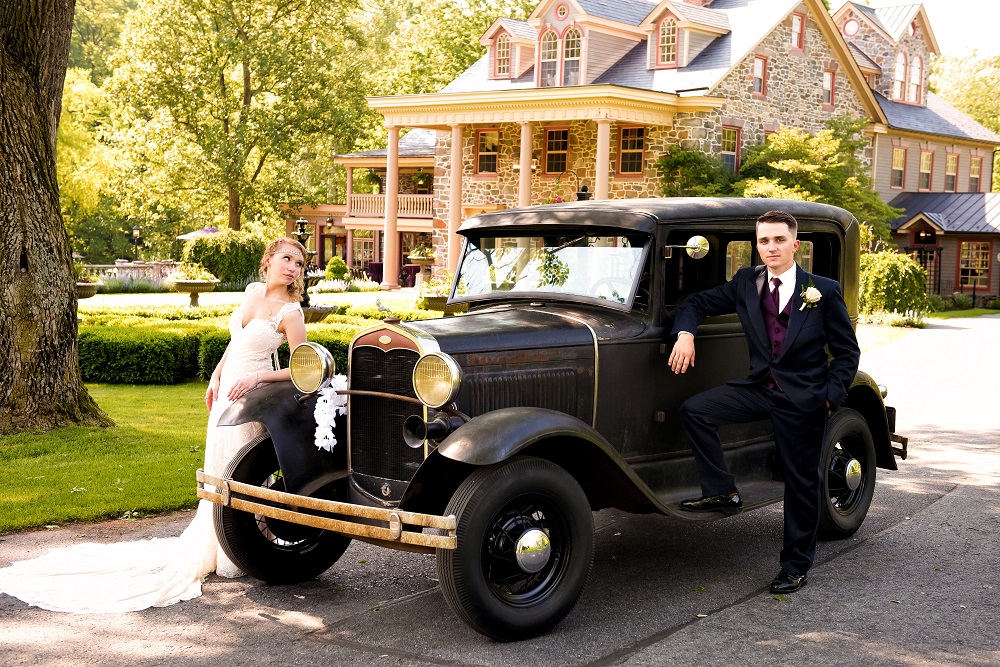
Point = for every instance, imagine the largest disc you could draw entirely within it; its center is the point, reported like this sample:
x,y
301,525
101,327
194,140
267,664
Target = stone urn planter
x,y
194,288
313,314
425,264
86,290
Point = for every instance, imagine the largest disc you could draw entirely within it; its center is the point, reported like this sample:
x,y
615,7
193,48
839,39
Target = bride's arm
x,y
293,325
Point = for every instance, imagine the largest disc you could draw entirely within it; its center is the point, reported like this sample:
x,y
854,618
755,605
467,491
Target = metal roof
x,y
969,213
418,142
938,117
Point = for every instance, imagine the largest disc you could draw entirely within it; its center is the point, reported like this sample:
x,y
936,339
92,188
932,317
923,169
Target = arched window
x,y
916,86
667,44
548,56
899,79
571,57
502,55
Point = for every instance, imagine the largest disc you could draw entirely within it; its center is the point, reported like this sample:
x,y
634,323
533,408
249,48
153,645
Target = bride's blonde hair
x,y
298,287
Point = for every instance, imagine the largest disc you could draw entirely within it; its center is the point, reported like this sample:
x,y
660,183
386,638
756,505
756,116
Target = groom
x,y
791,319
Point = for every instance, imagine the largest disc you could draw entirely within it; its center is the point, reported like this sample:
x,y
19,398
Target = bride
x,y
129,576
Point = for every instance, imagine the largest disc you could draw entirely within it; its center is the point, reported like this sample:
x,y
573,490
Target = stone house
x,y
585,95
929,159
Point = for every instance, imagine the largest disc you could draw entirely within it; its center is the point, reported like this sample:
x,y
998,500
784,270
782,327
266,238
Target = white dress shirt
x,y
787,287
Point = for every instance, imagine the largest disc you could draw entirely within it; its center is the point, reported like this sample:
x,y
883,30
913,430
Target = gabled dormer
x,y
511,47
677,32
898,40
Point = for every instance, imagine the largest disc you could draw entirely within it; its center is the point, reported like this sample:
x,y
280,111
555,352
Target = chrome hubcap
x,y
852,474
533,550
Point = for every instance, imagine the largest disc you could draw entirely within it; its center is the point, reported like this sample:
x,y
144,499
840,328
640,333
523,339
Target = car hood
x,y
527,327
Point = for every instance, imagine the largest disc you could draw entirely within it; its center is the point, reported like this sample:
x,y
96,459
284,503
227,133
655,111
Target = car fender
x,y
558,437
289,420
865,397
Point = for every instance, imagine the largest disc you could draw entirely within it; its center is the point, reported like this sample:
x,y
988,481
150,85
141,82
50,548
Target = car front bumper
x,y
391,528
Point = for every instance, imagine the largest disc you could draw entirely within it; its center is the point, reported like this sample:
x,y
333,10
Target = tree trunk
x,y
235,209
40,367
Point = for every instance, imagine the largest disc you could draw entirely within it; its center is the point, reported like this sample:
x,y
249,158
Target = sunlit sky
x,y
959,25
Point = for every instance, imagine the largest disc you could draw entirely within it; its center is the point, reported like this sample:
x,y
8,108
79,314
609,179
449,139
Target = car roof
x,y
643,214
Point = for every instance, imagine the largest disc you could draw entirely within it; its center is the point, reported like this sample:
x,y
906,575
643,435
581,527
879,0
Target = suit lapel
x,y
798,314
753,292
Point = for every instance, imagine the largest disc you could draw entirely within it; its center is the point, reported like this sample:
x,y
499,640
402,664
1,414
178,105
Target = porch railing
x,y
410,206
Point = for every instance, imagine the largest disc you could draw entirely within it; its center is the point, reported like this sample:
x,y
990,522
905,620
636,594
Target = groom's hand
x,y
682,356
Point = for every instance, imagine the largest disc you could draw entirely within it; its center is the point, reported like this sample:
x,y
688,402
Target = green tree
x,y
685,173
96,31
823,167
40,366
217,100
970,84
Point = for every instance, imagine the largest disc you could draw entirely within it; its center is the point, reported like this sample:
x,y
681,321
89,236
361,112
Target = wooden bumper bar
x,y
235,494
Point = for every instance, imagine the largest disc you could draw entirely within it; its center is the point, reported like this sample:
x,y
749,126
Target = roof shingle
x,y
967,213
938,117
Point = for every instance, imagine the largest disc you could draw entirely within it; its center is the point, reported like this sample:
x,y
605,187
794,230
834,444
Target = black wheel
x,y
268,549
525,547
848,475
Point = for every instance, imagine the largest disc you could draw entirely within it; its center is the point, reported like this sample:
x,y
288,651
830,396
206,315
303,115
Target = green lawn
x,y
971,312
146,464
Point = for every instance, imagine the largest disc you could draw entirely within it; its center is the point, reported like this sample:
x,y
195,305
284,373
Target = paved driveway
x,y
917,585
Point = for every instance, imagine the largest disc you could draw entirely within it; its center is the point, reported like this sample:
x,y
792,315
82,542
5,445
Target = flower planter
x,y
86,290
194,288
425,273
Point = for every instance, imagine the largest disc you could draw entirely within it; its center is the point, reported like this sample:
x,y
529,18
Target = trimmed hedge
x,y
120,355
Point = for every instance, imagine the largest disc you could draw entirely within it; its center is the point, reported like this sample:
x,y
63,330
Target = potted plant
x,y
191,279
421,178
434,294
86,282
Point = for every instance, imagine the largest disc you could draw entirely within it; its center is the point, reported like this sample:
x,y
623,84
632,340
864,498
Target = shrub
x,y
232,256
936,303
133,356
891,282
994,305
330,286
961,301
911,318
130,285
336,269
213,346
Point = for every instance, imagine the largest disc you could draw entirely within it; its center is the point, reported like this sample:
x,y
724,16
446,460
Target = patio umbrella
x,y
196,233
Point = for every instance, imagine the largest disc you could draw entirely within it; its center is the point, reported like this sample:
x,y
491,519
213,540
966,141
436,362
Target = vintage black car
x,y
490,438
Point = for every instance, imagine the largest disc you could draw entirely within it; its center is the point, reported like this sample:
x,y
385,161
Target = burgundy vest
x,y
775,323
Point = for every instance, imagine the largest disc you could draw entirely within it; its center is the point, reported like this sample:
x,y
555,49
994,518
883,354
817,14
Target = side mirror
x,y
696,248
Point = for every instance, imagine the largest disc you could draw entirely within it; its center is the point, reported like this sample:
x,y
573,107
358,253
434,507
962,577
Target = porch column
x,y
455,199
524,163
390,259
350,249
350,191
603,152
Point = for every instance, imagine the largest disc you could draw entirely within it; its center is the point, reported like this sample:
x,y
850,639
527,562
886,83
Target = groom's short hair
x,y
781,216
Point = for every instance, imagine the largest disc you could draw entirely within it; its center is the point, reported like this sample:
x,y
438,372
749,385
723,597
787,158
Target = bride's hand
x,y
212,395
242,386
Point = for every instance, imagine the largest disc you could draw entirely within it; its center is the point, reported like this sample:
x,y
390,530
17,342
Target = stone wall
x,y
876,46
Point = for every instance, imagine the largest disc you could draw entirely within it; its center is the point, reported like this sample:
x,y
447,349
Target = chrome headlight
x,y
436,379
312,367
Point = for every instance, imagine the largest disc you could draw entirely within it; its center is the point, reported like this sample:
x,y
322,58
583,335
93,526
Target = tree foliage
x,y
823,167
96,30
685,173
218,100
970,84
891,282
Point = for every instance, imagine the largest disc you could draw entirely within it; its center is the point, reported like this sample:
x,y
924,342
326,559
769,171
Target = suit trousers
x,y
798,439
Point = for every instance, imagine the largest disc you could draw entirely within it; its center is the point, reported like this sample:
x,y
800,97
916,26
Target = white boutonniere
x,y
810,295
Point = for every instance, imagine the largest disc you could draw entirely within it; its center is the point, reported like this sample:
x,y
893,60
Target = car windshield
x,y
583,265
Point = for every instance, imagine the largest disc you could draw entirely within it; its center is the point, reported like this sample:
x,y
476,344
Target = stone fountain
x,y
312,274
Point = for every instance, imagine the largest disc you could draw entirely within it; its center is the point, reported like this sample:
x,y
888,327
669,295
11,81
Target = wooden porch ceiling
x,y
538,105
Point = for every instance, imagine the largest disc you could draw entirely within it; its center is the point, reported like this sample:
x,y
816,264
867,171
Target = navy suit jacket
x,y
805,372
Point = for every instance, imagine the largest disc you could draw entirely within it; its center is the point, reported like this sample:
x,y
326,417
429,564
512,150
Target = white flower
x,y
329,406
810,297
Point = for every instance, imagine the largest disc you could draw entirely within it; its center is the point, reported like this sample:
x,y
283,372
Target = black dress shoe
x,y
788,582
727,502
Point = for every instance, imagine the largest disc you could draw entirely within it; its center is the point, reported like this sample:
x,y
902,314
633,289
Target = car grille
x,y
377,449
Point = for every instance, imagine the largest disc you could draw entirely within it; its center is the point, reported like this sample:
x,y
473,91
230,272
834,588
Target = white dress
x,y
129,576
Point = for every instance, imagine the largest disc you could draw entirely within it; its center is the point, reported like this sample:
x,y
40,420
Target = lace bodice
x,y
253,346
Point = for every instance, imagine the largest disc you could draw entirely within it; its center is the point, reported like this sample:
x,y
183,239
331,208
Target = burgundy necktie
x,y
774,294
